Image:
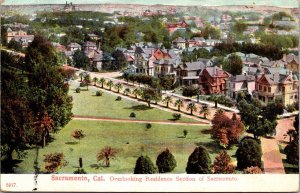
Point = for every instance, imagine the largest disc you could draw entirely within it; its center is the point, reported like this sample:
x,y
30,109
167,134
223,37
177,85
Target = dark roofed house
x,y
213,80
73,47
188,73
245,83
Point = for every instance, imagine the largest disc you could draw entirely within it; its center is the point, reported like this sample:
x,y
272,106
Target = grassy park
x,y
86,103
129,139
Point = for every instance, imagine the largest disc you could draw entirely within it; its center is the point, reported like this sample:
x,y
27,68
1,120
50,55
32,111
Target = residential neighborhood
x,y
150,90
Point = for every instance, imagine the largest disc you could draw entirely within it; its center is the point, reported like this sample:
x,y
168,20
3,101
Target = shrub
x,y
144,165
189,91
165,161
248,154
118,98
79,171
132,114
252,170
77,90
99,93
222,164
292,152
77,134
185,132
148,125
199,162
290,108
176,116
53,161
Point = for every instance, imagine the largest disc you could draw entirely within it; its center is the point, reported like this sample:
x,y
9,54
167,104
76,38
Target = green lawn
x,y
86,103
129,139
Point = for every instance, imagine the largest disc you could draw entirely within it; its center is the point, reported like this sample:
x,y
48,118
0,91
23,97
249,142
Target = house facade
x,y
238,83
213,80
268,87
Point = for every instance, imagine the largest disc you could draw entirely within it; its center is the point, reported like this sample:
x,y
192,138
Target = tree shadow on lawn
x,y
212,146
71,142
206,131
139,108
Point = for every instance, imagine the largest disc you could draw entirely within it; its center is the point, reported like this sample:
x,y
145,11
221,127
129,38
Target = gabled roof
x,y
74,45
215,71
192,66
89,44
242,78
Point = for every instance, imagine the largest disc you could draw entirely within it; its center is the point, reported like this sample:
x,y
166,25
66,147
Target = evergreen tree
x,y
144,165
248,154
166,161
199,162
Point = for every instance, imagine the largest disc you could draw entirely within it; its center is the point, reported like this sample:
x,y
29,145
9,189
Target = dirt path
x,y
79,117
271,156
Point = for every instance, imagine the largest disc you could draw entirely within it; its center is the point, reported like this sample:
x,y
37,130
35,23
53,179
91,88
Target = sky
x,y
280,3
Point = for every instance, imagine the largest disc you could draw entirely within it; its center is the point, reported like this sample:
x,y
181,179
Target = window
x,y
265,89
296,96
260,87
269,89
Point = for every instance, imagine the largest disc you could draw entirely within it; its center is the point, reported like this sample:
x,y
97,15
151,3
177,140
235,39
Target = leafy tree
x,y
106,154
191,107
144,165
234,65
14,45
67,73
78,134
252,170
149,95
222,164
102,82
166,161
296,123
239,27
80,60
178,103
110,84
118,86
53,161
40,51
167,100
166,82
248,154
189,91
120,60
292,151
199,162
210,31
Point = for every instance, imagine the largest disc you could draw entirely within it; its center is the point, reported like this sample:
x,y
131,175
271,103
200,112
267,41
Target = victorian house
x,y
213,80
268,87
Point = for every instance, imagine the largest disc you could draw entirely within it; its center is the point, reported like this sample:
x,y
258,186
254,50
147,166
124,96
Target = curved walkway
x,y
92,118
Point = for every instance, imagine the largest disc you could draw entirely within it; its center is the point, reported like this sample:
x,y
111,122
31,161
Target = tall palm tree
x,y
167,100
178,103
137,92
118,86
95,80
192,107
205,111
127,91
110,84
102,81
105,154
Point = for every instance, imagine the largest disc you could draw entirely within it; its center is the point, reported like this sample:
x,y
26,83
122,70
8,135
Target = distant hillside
x,y
30,9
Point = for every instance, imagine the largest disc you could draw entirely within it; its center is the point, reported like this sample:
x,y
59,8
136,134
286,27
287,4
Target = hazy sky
x,y
281,3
